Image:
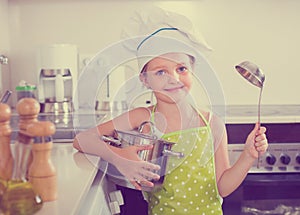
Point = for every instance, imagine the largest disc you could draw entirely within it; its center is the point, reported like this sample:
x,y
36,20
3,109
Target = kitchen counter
x,y
79,182
239,114
67,125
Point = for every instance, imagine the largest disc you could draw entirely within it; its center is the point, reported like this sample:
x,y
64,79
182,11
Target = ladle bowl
x,y
252,73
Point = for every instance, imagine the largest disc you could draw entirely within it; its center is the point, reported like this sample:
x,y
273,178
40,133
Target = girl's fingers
x,y
136,185
139,183
147,183
149,175
261,148
260,137
261,145
262,130
150,166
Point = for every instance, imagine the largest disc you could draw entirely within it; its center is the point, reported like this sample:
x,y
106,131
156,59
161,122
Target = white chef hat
x,y
160,32
162,41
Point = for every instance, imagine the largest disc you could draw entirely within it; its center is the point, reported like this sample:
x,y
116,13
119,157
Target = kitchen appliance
x,y
273,188
158,154
57,77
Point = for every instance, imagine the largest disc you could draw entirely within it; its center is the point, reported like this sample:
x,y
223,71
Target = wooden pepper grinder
x,y
6,159
42,173
28,110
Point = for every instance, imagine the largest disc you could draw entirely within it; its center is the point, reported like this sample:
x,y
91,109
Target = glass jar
x,y
26,91
18,196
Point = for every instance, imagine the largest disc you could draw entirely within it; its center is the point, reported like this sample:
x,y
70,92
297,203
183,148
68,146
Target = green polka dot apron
x,y
190,183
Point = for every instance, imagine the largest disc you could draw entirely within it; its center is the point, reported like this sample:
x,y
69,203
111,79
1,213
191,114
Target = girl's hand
x,y
133,168
256,142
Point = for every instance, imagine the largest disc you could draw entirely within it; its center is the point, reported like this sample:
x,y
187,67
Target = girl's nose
x,y
174,77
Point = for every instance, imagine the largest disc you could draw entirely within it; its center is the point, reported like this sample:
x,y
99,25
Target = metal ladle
x,y
254,75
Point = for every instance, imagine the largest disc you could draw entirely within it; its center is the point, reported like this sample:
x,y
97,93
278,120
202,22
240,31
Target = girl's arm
x,y
89,140
126,159
229,178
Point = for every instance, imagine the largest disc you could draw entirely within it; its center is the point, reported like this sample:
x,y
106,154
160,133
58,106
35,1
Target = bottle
x,y
25,90
28,110
42,173
19,197
6,159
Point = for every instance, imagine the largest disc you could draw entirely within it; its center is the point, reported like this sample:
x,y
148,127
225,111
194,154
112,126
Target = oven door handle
x,y
264,179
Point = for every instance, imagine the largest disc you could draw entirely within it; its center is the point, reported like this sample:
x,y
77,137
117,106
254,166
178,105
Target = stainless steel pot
x,y
158,154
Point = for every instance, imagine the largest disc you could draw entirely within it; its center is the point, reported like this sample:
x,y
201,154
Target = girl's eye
x,y
160,72
182,69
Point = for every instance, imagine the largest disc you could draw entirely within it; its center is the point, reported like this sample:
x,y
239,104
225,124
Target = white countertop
x,y
75,173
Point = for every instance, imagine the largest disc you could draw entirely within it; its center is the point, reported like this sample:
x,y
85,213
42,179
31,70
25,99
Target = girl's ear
x,y
143,79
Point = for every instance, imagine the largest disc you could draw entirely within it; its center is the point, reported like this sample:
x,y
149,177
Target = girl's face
x,y
169,76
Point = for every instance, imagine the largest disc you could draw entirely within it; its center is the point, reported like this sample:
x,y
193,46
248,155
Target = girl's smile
x,y
174,88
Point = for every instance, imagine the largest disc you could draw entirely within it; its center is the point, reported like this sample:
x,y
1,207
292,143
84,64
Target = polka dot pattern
x,y
190,183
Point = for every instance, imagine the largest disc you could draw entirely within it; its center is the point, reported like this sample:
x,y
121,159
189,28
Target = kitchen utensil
x,y
5,96
20,196
42,173
255,76
158,154
6,158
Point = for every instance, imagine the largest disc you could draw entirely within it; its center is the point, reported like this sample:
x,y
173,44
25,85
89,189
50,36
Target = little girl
x,y
196,183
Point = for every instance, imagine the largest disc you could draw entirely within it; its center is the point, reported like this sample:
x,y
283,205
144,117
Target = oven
x,y
272,186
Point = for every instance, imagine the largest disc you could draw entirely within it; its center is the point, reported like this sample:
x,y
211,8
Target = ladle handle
x,y
259,102
111,140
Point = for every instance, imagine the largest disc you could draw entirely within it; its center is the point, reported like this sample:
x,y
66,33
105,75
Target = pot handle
x,y
167,152
152,127
111,140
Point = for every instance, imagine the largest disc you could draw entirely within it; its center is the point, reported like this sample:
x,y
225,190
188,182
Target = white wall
x,y
4,46
4,38
265,32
